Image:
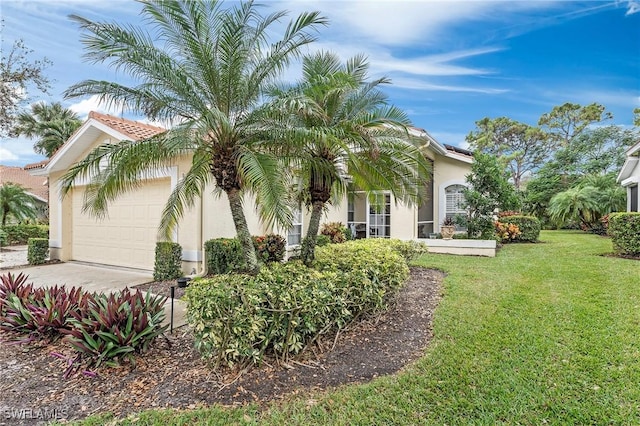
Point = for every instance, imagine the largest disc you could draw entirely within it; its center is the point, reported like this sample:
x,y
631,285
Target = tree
x,y
636,117
16,203
206,68
520,147
51,124
489,191
566,121
341,123
17,75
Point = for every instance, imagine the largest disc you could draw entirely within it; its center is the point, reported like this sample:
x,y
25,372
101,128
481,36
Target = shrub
x,y
322,240
624,229
240,318
336,232
507,232
529,227
168,264
37,251
373,257
270,247
224,255
3,238
42,312
12,284
20,234
110,328
507,213
409,250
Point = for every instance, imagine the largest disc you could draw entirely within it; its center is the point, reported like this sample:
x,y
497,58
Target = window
x,y
380,217
455,202
294,236
633,197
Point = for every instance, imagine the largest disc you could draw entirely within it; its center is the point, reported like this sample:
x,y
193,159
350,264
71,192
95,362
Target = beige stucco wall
x,y
446,172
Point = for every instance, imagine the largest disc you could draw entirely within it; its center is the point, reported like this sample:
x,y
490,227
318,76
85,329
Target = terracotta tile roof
x,y
37,185
133,129
39,165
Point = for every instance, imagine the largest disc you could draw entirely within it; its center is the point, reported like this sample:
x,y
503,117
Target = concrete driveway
x,y
94,278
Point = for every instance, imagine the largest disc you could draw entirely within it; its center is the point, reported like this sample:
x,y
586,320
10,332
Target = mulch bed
x,y
172,374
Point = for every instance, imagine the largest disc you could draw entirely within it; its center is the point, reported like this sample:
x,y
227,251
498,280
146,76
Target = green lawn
x,y
542,334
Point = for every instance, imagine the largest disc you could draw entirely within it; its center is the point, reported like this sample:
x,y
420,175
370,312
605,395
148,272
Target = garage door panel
x,y
127,236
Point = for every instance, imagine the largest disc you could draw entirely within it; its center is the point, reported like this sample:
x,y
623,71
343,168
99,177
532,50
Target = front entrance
x,y
369,218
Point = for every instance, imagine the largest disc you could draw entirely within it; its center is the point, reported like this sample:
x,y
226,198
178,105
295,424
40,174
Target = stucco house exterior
x,y
629,177
127,236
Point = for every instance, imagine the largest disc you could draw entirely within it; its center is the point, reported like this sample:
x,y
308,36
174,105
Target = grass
x,y
542,334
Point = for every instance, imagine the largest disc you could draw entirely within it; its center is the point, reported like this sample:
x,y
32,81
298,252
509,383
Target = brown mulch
x,y
172,374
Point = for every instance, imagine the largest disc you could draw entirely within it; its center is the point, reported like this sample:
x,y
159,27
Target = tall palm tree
x,y
51,124
16,202
342,132
205,67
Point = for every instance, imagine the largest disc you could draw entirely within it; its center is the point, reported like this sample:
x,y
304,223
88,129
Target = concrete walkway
x,y
94,278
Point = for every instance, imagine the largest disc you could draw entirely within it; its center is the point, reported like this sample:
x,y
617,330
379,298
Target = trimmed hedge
x,y
20,234
529,227
224,255
624,230
3,238
168,264
239,318
37,251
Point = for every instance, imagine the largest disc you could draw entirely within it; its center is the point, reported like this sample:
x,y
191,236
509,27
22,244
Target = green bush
x,y
270,247
3,238
224,255
168,264
529,227
409,250
37,251
240,318
20,234
624,229
322,240
336,232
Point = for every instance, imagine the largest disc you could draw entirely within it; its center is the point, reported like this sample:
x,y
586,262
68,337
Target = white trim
x,y
442,200
459,157
633,149
630,181
192,255
627,168
54,244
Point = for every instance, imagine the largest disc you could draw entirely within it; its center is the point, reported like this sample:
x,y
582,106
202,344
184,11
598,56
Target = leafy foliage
x,y
489,192
17,75
240,318
336,231
3,238
624,229
270,247
168,263
114,327
13,284
565,122
528,227
506,232
224,255
323,240
37,251
16,203
20,234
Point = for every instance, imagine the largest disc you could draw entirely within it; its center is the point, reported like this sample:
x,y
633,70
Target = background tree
x,y
342,123
636,117
520,147
51,124
566,121
16,203
489,191
206,67
17,76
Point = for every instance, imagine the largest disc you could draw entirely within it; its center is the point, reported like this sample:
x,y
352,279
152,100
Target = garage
x,y
128,235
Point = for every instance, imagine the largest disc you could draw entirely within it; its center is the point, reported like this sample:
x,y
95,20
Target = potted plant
x,y
448,228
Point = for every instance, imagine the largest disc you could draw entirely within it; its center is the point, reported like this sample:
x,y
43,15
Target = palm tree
x,y
341,123
16,202
51,124
205,67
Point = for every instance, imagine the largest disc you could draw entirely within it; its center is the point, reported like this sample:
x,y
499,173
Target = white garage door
x,y
128,235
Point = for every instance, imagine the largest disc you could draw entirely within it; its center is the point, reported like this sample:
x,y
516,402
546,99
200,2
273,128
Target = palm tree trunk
x,y
309,243
242,230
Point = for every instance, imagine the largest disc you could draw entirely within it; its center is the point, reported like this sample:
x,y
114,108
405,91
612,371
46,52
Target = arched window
x,y
455,201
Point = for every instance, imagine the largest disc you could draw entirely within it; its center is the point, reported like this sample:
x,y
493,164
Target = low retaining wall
x,y
461,247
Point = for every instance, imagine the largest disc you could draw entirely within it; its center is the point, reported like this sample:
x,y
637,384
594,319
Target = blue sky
x,y
451,62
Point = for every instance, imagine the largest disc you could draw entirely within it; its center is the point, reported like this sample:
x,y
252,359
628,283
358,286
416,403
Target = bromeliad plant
x,y
114,327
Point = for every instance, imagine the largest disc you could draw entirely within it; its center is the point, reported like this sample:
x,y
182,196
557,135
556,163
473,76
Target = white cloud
x,y
417,84
85,106
18,152
632,7
7,155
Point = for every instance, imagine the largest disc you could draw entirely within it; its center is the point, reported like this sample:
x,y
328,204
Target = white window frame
x,y
298,222
442,198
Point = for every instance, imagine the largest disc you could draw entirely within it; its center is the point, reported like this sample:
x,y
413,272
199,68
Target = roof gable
x,y
35,185
97,124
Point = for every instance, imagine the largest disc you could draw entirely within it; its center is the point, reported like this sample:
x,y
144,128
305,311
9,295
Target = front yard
x,y
542,334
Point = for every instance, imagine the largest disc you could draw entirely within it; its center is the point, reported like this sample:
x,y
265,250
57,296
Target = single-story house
x,y
127,236
629,177
36,186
